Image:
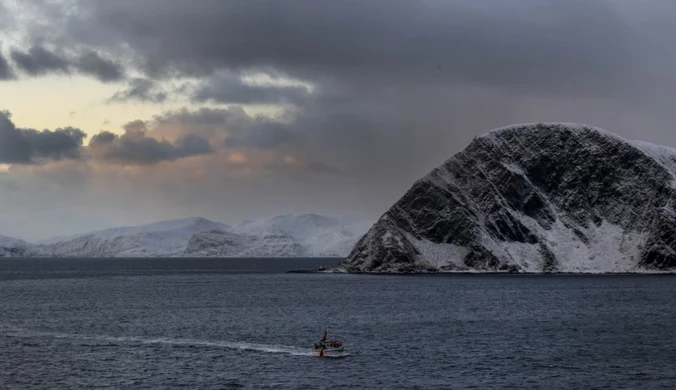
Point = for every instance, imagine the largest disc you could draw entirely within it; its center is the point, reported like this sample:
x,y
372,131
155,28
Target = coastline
x,y
477,273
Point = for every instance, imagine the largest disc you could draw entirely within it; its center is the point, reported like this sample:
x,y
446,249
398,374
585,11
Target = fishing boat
x,y
327,347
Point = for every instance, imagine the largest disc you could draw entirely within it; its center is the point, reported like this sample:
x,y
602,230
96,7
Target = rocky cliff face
x,y
533,198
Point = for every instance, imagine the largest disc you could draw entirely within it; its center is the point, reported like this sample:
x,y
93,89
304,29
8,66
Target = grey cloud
x,y
140,89
27,146
6,72
287,140
241,130
555,46
564,48
192,145
6,19
104,137
205,117
229,88
55,145
135,148
39,60
263,134
90,62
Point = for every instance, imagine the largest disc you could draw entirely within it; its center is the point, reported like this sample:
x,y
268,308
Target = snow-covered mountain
x,y
294,235
166,238
533,198
14,247
307,235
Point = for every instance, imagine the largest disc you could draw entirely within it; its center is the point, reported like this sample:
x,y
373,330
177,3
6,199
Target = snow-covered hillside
x,y
14,247
297,235
166,238
306,235
318,235
533,198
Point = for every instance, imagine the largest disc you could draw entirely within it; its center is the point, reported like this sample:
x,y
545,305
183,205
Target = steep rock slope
x,y
533,198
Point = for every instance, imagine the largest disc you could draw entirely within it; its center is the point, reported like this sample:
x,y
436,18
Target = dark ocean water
x,y
245,324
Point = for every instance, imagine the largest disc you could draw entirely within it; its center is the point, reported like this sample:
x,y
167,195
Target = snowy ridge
x,y
305,235
547,197
319,235
549,126
664,155
291,235
12,242
14,247
166,238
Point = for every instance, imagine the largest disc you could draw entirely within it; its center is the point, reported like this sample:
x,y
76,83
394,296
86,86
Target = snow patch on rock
x,y
446,257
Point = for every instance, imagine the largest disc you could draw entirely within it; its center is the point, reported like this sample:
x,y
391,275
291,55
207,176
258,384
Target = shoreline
x,y
474,273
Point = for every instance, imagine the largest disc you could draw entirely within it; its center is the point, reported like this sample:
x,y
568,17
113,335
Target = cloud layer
x,y
27,146
135,148
6,72
572,47
38,61
229,88
140,89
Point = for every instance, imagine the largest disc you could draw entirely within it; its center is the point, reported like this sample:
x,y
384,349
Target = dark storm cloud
x,y
135,148
139,89
55,145
402,73
26,146
104,137
229,88
6,72
563,46
263,134
39,61
91,63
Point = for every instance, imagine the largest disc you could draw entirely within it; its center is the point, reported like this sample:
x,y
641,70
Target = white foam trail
x,y
243,346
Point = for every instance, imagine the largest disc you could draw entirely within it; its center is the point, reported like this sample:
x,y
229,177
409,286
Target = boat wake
x,y
341,356
242,346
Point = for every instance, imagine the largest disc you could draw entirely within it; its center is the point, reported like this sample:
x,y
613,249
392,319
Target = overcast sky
x,y
124,112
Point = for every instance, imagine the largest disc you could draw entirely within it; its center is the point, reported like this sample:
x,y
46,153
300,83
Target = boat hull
x,y
328,352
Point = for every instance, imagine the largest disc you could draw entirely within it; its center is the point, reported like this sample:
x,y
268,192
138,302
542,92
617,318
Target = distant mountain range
x,y
291,235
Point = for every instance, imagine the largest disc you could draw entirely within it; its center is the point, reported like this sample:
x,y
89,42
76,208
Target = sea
x,y
249,324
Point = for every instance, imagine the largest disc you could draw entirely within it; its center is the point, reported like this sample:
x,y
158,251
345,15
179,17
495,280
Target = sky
x,y
127,112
